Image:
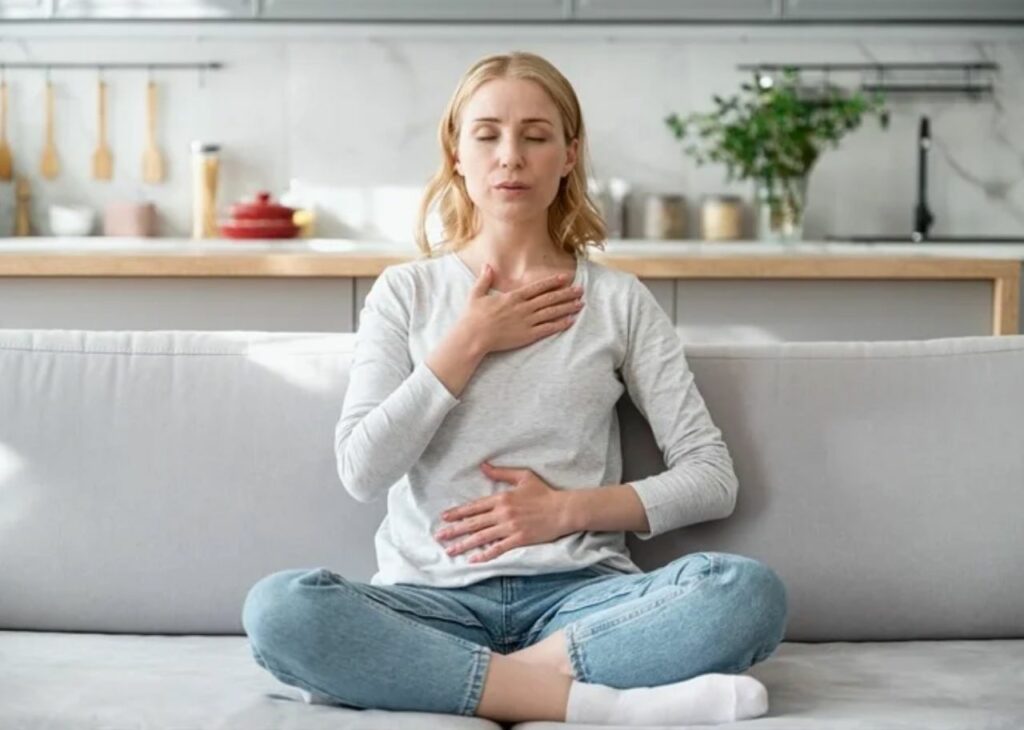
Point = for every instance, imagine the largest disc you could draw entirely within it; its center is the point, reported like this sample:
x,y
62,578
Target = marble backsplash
x,y
353,118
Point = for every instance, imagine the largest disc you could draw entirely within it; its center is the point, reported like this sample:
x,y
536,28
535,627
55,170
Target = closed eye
x,y
531,139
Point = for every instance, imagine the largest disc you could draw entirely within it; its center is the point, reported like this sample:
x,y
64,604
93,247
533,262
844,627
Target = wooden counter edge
x,y
1003,273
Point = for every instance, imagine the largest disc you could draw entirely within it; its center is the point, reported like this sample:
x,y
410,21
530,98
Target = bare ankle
x,y
550,653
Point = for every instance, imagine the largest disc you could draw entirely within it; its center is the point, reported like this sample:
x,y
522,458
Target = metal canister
x,y
721,217
665,216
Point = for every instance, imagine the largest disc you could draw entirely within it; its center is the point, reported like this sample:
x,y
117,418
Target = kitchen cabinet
x,y
676,10
417,9
902,9
736,291
156,9
27,9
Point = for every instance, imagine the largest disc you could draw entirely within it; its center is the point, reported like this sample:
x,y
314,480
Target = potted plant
x,y
773,134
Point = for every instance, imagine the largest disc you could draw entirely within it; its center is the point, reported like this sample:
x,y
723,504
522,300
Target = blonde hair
x,y
574,222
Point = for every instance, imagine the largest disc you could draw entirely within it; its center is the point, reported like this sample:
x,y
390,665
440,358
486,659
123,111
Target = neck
x,y
515,250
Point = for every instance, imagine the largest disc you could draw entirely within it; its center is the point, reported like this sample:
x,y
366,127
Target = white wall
x,y
349,106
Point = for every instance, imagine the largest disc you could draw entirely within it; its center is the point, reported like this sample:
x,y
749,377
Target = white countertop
x,y
616,247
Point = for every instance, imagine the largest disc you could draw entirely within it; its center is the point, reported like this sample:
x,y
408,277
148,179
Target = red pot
x,y
261,218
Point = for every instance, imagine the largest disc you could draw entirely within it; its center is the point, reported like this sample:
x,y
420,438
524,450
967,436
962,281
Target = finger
x,y
493,551
481,538
539,287
502,473
462,528
467,510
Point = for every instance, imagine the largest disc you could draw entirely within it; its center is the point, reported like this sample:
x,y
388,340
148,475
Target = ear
x,y
571,155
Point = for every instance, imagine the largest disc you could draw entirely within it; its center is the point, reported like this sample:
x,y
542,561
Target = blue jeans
x,y
426,649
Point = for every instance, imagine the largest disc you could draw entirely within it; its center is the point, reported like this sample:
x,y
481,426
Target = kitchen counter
x,y
96,256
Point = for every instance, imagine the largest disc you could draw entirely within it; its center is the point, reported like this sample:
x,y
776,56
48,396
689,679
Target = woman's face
x,y
511,131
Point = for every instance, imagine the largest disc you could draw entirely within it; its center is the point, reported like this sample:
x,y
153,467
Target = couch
x,y
149,479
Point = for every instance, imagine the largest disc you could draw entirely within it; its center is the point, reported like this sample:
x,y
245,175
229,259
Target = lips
x,y
512,186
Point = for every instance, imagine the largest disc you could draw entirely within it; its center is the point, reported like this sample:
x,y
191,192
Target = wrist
x,y
470,342
573,509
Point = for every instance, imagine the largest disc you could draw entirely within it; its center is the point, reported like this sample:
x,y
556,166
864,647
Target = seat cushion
x,y
904,685
76,681
79,681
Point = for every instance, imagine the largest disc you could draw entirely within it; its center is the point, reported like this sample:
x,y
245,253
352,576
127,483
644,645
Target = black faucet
x,y
923,217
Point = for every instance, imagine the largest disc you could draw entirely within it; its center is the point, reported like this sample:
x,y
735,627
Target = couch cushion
x,y
119,681
149,479
904,685
108,681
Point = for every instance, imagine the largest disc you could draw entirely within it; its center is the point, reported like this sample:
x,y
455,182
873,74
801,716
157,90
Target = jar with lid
x,y
721,217
665,216
205,171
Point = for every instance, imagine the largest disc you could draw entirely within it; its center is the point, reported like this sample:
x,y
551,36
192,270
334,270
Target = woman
x,y
481,403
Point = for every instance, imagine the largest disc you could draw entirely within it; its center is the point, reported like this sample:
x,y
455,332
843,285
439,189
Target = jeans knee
x,y
764,593
269,608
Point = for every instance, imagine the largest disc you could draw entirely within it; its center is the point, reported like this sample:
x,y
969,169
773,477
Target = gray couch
x,y
148,479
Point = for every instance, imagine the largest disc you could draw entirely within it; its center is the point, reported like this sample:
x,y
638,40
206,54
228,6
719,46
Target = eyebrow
x,y
530,120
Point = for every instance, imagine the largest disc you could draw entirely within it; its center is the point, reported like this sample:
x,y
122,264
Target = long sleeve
x,y
700,483
391,410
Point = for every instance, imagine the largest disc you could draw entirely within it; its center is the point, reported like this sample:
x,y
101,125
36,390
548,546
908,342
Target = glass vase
x,y
780,208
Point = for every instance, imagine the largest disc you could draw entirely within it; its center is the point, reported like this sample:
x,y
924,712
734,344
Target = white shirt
x,y
548,407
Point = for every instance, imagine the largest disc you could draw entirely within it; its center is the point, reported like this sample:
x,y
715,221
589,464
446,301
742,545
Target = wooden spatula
x,y
152,162
49,165
5,150
102,160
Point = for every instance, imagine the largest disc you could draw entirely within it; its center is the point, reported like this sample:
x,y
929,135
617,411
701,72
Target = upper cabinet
x,y
509,10
569,11
676,9
903,9
157,9
24,8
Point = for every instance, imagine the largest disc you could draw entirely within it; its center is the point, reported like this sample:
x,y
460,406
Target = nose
x,y
510,153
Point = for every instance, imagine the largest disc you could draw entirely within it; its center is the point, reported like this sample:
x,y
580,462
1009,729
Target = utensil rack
x,y
201,66
968,68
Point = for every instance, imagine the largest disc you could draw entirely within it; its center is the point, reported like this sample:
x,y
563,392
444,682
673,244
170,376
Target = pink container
x,y
129,219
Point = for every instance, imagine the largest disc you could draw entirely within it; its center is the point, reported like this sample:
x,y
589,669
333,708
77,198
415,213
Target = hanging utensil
x,y
5,150
49,165
102,161
152,161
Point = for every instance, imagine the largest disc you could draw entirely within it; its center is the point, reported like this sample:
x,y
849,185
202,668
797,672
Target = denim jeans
x,y
427,649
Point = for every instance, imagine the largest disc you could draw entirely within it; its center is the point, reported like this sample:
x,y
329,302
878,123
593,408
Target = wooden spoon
x,y
102,161
49,166
5,150
152,162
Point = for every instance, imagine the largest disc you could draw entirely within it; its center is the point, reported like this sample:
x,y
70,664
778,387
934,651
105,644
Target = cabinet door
x,y
24,8
418,9
130,9
675,9
910,9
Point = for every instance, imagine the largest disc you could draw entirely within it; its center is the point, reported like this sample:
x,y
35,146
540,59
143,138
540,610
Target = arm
x,y
700,483
391,409
611,508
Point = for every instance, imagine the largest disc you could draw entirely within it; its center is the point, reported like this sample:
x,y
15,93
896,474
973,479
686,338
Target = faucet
x,y
923,217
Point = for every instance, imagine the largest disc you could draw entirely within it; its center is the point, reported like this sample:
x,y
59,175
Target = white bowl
x,y
71,220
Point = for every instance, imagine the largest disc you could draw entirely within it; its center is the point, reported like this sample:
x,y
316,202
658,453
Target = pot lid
x,y
262,208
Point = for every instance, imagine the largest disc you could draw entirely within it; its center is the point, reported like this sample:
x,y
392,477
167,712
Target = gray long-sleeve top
x,y
548,406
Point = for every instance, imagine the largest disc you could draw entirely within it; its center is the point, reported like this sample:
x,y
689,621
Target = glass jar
x,y
205,171
721,218
780,208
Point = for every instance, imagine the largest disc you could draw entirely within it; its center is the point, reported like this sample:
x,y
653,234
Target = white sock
x,y
704,699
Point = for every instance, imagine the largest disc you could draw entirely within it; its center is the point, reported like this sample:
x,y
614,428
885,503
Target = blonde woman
x,y
481,404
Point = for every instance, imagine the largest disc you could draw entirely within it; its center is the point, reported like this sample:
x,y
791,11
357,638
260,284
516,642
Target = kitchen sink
x,y
909,238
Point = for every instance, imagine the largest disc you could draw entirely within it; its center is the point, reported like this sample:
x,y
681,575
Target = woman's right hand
x,y
510,320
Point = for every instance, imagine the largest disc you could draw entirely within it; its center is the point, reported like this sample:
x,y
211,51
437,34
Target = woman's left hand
x,y
531,513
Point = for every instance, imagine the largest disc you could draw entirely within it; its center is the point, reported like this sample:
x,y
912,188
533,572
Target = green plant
x,y
778,131
774,134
